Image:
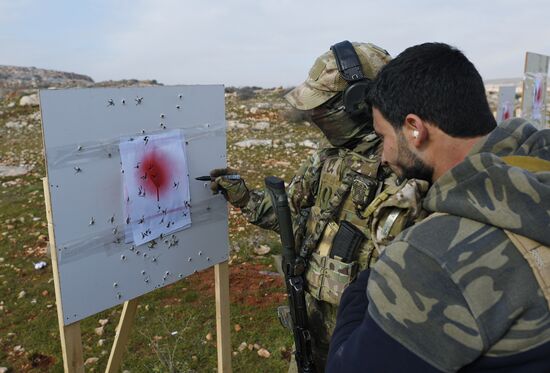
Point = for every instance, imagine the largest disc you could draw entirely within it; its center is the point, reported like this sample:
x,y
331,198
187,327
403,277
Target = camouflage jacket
x,y
337,184
454,289
306,191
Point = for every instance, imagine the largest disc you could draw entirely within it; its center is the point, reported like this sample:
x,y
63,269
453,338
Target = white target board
x,y
534,88
128,215
506,103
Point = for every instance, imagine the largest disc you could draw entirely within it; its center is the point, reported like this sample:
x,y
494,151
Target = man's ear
x,y
415,130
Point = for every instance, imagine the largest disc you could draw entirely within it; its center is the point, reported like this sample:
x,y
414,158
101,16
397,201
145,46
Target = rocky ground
x,y
175,326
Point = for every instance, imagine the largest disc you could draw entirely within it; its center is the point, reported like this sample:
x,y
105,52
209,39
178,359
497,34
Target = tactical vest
x,y
349,190
375,207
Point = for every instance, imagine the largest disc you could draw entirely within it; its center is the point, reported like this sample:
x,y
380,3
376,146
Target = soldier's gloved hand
x,y
234,190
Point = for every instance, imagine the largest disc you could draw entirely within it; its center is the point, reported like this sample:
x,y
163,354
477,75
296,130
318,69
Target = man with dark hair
x,y
468,288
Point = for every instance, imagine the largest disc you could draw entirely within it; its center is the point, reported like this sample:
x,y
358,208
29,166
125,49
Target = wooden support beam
x,y
223,334
71,337
122,335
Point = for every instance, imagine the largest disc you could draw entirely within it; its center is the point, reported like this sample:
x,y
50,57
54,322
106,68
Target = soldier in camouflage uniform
x,y
468,288
342,183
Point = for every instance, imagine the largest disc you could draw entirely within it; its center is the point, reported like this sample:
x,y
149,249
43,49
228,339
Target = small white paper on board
x,y
506,101
156,185
538,95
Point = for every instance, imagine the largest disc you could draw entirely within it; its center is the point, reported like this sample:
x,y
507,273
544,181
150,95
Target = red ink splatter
x,y
154,173
538,92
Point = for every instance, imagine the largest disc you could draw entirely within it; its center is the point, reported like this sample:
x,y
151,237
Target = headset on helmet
x,y
350,69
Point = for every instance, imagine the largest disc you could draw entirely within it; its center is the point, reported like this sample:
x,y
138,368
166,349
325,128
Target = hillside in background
x,y
24,78
15,77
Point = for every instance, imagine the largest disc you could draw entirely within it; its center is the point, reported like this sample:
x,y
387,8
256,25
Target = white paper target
x,y
155,185
103,260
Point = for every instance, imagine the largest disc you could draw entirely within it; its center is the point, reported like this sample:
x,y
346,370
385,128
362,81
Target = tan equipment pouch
x,y
538,257
327,278
536,254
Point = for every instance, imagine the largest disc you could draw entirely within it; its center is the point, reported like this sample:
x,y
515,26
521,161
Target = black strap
x,y
347,61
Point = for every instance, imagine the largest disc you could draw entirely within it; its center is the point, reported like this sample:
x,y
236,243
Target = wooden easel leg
x,y
71,338
71,346
223,334
122,335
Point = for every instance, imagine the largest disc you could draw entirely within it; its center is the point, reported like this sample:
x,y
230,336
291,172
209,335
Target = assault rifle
x,y
293,267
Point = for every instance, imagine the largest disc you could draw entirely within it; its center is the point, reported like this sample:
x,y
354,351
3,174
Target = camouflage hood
x,y
498,194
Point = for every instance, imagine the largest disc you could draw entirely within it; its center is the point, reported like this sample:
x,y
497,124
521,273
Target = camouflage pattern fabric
x,y
324,80
234,191
335,184
456,276
397,212
327,277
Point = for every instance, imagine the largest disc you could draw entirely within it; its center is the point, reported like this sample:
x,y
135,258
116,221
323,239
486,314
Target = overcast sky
x,y
257,42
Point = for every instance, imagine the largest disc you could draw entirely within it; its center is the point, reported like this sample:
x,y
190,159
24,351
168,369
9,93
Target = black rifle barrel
x,y
293,278
276,189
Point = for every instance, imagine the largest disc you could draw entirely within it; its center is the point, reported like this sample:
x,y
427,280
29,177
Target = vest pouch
x,y
401,209
327,278
346,242
363,190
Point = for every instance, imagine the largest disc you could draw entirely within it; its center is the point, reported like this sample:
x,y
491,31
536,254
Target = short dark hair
x,y
439,84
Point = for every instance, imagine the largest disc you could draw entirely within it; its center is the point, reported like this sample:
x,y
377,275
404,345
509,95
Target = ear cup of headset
x,y
355,97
